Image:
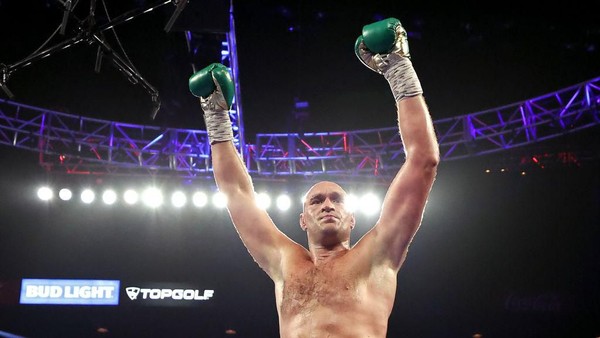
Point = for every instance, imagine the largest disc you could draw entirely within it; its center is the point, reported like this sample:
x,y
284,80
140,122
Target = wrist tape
x,y
218,126
402,77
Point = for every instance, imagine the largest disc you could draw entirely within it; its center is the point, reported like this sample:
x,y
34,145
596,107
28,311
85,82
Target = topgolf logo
x,y
135,293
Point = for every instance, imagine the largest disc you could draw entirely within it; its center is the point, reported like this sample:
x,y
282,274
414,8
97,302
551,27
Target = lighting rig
x,y
87,30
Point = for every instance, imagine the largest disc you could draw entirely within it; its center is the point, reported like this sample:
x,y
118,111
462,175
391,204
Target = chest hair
x,y
310,287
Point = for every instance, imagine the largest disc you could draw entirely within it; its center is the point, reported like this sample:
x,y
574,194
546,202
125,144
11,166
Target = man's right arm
x,y
214,86
264,241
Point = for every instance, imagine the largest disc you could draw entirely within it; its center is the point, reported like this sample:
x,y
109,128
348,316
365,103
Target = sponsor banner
x,y
70,291
165,294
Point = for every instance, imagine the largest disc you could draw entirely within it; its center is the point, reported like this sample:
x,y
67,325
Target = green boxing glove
x,y
215,88
378,41
383,48
213,79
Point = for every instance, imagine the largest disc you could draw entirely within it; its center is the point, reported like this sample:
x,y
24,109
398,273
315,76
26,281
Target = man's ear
x,y
302,222
352,221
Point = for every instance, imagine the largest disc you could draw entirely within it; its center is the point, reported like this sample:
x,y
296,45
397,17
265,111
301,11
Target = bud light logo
x,y
70,291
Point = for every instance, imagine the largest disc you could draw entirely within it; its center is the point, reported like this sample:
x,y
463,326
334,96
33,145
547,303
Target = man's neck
x,y
323,254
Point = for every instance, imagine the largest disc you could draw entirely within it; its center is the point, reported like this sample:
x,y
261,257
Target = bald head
x,y
322,188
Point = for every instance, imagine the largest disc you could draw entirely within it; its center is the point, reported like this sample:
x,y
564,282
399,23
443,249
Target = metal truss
x,y
379,152
78,145
75,144
227,48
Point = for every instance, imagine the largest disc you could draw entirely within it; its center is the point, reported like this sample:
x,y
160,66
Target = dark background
x,y
502,254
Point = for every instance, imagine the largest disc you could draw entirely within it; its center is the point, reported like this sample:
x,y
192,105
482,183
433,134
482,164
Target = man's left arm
x,y
405,200
383,47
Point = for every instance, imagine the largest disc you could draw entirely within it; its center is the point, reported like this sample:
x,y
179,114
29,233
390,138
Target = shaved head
x,y
322,186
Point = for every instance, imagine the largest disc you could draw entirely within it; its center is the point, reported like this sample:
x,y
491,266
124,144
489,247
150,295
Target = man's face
x,y
325,210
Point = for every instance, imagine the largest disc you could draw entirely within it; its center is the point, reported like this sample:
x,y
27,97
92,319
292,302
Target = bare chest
x,y
308,287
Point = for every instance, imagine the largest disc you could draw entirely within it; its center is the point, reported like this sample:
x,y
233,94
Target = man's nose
x,y
328,205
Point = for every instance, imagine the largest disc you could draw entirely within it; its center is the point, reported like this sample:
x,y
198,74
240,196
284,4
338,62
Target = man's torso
x,y
344,297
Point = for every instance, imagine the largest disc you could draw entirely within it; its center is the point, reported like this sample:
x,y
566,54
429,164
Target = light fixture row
x,y
153,197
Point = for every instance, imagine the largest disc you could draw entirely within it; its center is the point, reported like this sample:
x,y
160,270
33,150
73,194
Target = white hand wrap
x,y
402,77
218,125
216,116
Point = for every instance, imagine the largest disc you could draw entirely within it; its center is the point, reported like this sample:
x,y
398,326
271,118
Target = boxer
x,y
333,288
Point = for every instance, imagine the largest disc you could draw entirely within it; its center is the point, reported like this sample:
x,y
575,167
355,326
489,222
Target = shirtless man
x,y
333,288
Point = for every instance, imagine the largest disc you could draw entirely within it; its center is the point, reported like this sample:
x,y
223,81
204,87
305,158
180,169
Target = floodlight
x,y
263,200
199,199
178,199
88,196
45,193
152,197
369,204
283,202
65,194
219,200
109,197
131,196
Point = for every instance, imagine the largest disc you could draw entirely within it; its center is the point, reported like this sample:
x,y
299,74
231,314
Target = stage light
x,y
351,202
263,200
109,197
131,196
219,200
369,204
181,198
178,199
283,202
88,196
65,194
199,199
152,197
45,193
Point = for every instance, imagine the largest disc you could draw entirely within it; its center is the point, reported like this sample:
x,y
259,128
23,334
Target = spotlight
x,y
199,199
152,197
283,202
65,194
131,196
263,200
351,202
219,200
178,199
369,204
109,197
88,196
45,193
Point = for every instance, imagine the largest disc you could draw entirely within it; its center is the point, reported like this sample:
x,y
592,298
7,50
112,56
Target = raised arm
x,y
405,201
259,234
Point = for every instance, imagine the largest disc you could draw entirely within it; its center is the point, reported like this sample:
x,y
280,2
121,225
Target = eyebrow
x,y
321,195
315,196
